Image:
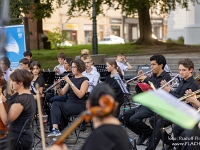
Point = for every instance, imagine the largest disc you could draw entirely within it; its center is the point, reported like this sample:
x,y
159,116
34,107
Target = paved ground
x,y
83,135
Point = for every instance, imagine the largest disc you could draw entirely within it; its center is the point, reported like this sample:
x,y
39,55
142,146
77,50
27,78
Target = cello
x,y
3,128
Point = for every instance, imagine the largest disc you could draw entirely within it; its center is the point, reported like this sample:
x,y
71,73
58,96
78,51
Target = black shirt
x,y
119,95
157,79
108,137
184,85
28,112
40,81
72,97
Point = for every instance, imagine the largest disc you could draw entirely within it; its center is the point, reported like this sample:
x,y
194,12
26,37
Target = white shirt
x,y
122,66
7,74
93,77
61,67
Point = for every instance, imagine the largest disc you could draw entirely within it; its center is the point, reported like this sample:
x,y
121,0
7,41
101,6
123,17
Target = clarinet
x,y
56,83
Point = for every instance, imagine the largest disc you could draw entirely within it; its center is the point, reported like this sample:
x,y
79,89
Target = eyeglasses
x,y
73,67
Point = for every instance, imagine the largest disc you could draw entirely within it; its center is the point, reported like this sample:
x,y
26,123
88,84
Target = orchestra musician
x,y
191,137
108,134
21,109
133,118
115,81
90,73
76,88
51,97
186,68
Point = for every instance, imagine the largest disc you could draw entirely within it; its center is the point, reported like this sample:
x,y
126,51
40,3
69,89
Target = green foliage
x,y
57,37
180,40
169,40
48,58
40,8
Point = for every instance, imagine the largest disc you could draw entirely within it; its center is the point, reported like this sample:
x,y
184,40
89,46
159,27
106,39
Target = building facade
x,y
79,29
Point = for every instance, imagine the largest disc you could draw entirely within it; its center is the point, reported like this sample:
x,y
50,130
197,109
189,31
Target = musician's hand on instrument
x,y
140,72
192,98
167,88
57,147
142,78
67,79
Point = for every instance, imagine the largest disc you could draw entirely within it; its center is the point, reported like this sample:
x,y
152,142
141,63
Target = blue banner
x,y
15,44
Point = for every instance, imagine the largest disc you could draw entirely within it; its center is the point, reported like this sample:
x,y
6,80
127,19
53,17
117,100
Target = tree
x,y
57,37
130,7
44,8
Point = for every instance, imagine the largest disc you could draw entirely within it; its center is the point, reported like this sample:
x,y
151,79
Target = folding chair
x,y
77,131
27,125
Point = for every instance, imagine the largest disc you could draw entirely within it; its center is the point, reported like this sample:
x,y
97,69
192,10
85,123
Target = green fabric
x,y
169,107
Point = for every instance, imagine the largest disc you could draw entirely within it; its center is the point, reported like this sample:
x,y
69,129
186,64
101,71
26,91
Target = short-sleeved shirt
x,y
72,97
108,137
28,112
40,81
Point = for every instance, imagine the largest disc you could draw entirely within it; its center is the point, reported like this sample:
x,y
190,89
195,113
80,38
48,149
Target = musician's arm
x,y
14,112
83,89
64,89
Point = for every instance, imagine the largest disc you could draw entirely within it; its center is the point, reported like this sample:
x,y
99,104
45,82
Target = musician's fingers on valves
x,y
141,79
140,72
192,98
167,87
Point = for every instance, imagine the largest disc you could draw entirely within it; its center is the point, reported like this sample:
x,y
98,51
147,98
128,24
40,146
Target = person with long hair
x,y
22,108
115,81
76,88
35,68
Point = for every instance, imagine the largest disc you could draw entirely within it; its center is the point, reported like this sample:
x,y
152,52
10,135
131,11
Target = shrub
x,y
57,37
180,40
169,40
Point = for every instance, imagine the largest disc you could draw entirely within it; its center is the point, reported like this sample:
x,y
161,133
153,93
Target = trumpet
x,y
192,94
197,78
169,81
138,76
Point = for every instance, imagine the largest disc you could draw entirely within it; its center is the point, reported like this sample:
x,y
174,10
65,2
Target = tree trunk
x,y
144,24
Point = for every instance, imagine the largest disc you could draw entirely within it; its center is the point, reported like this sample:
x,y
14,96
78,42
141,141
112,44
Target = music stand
x,y
49,77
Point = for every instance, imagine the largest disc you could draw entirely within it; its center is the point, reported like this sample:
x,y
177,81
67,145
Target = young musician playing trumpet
x,y
186,68
133,118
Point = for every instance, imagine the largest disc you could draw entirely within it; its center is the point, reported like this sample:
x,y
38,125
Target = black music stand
x,y
49,77
144,68
102,71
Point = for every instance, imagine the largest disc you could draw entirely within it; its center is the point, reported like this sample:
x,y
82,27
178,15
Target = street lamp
x,y
94,27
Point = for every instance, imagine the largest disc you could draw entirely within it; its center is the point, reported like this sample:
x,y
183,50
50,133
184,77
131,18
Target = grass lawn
x,y
48,58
